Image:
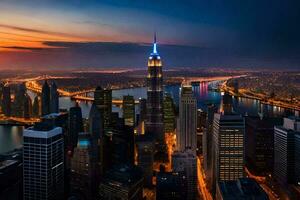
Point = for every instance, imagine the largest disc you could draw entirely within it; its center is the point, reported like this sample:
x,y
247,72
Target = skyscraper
x,y
286,143
207,144
226,106
242,188
36,107
103,101
43,162
27,106
81,168
187,135
75,125
143,109
6,101
228,145
122,182
145,149
169,114
129,110
154,123
54,99
171,185
259,144
45,99
186,162
96,131
19,101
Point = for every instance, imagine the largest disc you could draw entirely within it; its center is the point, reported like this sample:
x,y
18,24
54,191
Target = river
x,y
11,136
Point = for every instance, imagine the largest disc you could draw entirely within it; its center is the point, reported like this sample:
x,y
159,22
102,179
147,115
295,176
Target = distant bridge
x,y
114,101
77,96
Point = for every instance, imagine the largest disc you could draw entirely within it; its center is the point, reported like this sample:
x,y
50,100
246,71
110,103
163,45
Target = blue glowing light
x,y
154,48
84,143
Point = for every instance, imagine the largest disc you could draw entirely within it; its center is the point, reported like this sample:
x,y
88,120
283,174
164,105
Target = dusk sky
x,y
51,34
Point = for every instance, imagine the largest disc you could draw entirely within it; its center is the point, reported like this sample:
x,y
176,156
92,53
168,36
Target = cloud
x,y
23,48
31,30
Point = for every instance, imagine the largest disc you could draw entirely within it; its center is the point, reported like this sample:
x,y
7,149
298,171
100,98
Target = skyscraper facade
x,y
259,144
186,162
169,114
54,99
45,99
103,101
154,123
145,159
143,109
187,135
96,156
129,110
122,182
286,141
228,145
81,168
171,185
207,144
43,162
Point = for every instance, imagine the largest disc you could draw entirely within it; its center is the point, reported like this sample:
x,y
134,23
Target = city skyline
x,y
71,34
81,119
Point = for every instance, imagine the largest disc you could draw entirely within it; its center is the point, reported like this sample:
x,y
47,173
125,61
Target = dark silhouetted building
x,y
75,125
129,110
145,150
186,162
122,182
201,124
6,101
143,109
45,99
19,101
103,101
36,107
171,186
96,156
43,162
241,189
122,145
259,144
11,176
27,107
286,145
207,144
81,174
54,99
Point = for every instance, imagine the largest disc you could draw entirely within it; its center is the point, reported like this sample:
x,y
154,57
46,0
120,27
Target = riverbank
x,y
263,99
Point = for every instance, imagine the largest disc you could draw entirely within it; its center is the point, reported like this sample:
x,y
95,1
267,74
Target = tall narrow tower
x,y
154,122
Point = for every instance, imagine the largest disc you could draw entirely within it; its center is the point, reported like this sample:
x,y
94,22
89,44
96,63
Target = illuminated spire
x,y
154,44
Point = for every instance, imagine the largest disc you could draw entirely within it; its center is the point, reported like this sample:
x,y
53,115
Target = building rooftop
x,y
242,189
123,176
42,130
6,163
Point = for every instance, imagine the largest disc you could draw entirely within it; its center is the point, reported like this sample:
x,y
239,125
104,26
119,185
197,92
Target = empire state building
x,y
154,123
